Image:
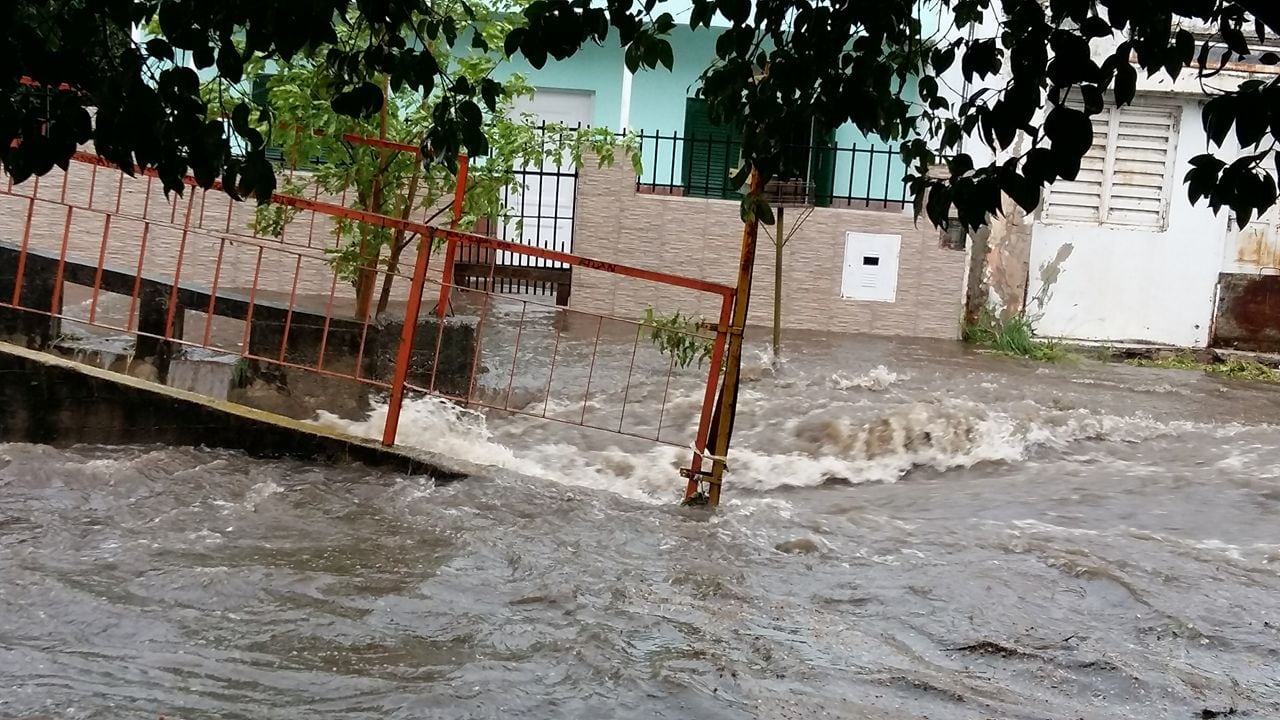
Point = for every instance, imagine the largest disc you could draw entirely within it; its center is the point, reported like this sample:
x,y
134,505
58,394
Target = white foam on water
x,y
942,436
439,426
435,425
810,451
260,492
877,379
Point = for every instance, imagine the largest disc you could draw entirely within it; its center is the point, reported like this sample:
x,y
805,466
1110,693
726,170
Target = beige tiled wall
x,y
218,229
685,236
701,238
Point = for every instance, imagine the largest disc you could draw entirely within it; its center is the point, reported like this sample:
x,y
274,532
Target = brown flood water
x,y
962,537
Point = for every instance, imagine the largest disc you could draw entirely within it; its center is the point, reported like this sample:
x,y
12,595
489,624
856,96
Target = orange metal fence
x,y
190,272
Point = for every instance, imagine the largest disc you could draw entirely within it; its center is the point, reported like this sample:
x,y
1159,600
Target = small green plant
x,y
241,372
1245,370
1014,336
681,337
1231,368
1179,361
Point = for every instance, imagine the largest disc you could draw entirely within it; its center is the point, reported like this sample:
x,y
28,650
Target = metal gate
x,y
540,206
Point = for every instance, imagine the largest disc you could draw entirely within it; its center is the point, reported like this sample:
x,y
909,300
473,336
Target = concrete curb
x,y
54,401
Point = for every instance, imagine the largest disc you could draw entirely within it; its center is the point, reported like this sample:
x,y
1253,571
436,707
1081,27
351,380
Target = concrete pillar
x,y
153,316
1000,263
36,330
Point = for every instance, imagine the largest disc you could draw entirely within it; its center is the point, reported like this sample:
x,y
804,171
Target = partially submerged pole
x,y
779,242
722,423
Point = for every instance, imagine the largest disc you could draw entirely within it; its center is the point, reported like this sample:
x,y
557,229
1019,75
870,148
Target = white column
x,y
624,117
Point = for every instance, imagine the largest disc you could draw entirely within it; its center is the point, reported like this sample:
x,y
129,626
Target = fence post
x,y
723,421
709,398
408,333
451,251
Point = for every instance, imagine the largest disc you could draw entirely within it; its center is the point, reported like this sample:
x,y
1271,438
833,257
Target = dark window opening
x,y
712,153
871,260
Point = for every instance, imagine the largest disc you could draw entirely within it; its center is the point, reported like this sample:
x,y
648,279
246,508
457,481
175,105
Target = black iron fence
x,y
541,203
538,211
823,175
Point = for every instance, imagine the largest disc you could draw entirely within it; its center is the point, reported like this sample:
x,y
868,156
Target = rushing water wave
x,y
910,531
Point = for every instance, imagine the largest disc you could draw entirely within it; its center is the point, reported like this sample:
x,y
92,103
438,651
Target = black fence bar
x,y
825,175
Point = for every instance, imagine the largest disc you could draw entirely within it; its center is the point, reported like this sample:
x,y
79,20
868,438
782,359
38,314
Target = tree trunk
x,y
367,280
398,242
779,241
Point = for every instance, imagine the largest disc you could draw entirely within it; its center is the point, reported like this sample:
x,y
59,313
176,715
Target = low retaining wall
x,y
53,401
701,238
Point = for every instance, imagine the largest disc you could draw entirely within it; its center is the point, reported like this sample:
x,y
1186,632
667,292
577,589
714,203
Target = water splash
x,y
440,426
942,436
877,379
436,425
828,445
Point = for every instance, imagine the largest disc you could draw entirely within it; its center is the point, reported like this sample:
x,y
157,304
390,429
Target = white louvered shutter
x,y
1080,200
1141,178
1127,176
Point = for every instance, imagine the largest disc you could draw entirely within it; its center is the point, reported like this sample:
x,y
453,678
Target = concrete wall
x,y
53,401
999,266
1111,283
701,238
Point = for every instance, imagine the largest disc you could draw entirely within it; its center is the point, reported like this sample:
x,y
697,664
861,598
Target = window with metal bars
x,y
712,154
1126,178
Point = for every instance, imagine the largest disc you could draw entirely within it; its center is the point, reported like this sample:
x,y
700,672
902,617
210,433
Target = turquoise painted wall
x,y
658,102
658,96
595,69
658,108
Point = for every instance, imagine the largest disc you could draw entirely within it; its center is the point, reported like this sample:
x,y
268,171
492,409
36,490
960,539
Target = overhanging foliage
x,y
778,62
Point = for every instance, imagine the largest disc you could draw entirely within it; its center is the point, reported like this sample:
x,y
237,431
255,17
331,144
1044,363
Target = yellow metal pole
x,y
733,368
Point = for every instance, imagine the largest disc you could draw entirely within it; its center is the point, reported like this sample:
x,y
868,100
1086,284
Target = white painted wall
x,y
1131,284
546,200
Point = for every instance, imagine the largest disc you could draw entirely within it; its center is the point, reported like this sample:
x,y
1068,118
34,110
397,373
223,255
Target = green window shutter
x,y
711,153
823,162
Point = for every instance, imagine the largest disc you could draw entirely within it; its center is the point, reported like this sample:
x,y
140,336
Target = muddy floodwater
x,y
911,530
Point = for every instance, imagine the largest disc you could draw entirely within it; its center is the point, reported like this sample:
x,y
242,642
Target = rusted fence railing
x,y
95,251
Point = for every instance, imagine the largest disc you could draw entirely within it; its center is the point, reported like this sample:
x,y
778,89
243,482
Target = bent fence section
x,y
95,252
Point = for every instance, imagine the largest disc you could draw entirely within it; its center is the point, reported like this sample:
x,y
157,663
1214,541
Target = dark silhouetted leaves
x,y
1071,134
1126,83
159,49
361,101
778,66
230,64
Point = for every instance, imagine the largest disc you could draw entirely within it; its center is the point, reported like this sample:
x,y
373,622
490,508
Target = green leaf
x,y
230,64
764,211
159,49
240,119
665,55
1126,83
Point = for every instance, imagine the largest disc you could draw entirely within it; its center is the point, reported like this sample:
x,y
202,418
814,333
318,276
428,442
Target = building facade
x,y
1121,254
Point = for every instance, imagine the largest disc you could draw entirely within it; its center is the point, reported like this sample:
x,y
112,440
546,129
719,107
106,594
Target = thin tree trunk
x,y
398,242
779,241
368,277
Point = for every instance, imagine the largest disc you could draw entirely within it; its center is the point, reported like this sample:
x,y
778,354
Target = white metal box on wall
x,y
870,267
